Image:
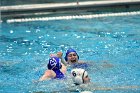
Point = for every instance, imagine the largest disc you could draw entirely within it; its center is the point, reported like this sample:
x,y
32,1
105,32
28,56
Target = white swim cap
x,y
78,74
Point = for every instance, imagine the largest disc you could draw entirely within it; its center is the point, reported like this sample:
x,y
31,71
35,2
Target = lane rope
x,y
74,17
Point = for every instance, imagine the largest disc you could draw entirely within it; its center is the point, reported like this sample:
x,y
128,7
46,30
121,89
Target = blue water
x,y
111,45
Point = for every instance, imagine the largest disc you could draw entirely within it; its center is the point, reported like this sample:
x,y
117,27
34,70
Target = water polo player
x,y
55,69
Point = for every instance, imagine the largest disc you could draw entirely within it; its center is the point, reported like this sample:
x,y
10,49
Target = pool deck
x,y
48,8
67,5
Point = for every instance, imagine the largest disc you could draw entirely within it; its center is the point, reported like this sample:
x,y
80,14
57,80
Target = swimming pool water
x,y
110,44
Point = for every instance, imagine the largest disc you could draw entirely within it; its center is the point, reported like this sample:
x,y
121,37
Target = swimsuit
x,y
58,73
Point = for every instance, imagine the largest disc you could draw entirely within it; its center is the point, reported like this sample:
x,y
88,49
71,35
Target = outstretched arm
x,y
46,75
59,54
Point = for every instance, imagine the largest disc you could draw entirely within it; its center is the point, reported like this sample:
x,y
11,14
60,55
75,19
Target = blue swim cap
x,y
54,63
69,51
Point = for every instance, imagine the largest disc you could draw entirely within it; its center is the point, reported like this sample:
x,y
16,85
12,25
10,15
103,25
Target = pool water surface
x,y
110,44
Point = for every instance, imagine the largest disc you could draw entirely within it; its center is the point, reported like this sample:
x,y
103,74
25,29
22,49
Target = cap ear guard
x,y
69,51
